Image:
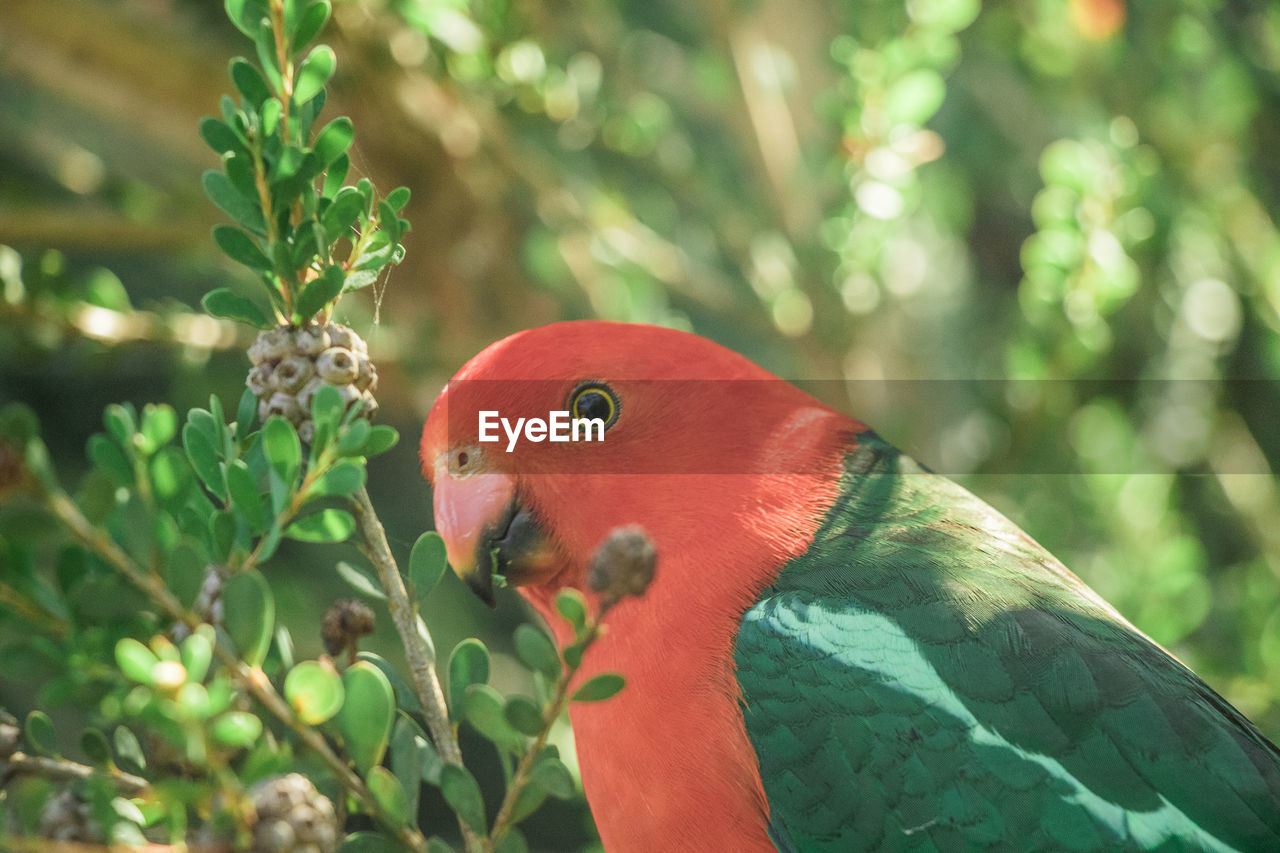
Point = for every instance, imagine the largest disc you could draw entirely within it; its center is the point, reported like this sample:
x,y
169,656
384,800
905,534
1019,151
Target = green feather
x,y
928,677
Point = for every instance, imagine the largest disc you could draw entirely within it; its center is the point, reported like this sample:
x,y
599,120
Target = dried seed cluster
x,y
291,364
293,817
623,564
67,818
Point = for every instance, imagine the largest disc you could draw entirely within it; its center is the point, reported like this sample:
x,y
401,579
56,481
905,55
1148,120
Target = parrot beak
x,y
486,529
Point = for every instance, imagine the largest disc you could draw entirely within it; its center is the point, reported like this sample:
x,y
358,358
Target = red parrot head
x,y
692,442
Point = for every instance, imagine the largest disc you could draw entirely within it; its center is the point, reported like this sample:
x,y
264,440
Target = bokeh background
x,y
1033,242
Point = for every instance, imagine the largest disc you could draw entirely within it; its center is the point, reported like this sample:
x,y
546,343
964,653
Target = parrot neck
x,y
666,764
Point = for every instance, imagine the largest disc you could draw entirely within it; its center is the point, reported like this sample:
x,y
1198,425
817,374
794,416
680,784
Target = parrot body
x,y
840,650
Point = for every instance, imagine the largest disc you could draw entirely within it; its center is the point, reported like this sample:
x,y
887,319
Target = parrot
x,y
840,649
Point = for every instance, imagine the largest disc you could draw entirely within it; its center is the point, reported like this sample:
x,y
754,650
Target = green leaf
x,y
185,574
381,439
310,23
483,708
427,564
405,697
264,46
336,174
270,114
170,474
333,140
389,221
93,743
320,292
135,660
222,192
314,691
245,497
204,459
249,81
353,436
530,798
128,750
360,581
390,796
240,247
573,607
536,650
468,665
39,733
314,73
463,795
327,525
342,212
326,414
283,449
159,424
236,729
246,414
550,774
406,759
600,687
121,421
366,715
222,534
224,302
372,842
914,98
524,715
219,136
398,198
197,653
249,614
106,454
247,15
512,842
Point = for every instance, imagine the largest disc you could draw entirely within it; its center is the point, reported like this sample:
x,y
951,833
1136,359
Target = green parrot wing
x,y
926,677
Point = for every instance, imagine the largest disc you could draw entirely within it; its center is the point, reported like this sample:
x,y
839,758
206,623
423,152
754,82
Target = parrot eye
x,y
594,400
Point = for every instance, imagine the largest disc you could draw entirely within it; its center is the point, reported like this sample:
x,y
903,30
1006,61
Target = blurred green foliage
x,y
1057,193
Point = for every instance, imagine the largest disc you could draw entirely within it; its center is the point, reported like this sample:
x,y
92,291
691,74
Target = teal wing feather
x,y
927,677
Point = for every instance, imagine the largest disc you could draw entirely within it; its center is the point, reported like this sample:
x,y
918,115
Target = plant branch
x,y
559,702
62,770
251,679
419,655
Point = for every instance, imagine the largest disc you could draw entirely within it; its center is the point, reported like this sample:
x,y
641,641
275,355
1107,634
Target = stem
x,y
556,707
251,679
63,770
419,655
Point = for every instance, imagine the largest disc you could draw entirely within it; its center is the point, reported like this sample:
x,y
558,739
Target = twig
x,y
421,665
61,769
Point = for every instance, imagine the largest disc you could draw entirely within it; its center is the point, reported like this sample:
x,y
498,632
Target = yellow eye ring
x,y
595,400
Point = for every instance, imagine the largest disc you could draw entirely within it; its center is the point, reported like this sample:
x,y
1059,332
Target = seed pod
x,y
259,380
307,430
308,393
337,366
369,405
311,340
291,374
293,816
344,624
367,379
341,336
623,564
284,405
276,343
